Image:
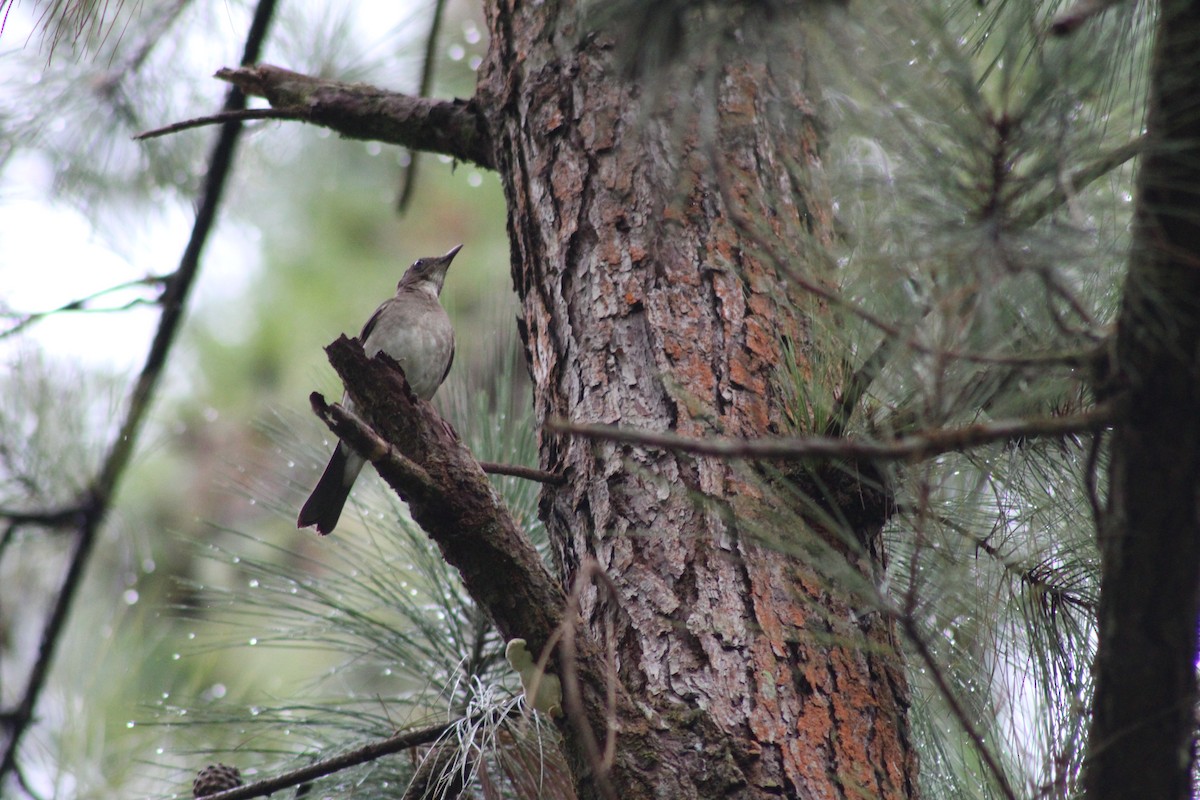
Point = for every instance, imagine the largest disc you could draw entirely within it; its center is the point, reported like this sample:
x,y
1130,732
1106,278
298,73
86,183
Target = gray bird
x,y
412,328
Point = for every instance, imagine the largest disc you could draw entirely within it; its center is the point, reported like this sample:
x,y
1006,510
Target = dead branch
x,y
449,496
241,115
405,740
913,447
359,111
518,471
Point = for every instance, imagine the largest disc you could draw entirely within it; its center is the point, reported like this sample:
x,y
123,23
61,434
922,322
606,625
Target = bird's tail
x,y
324,505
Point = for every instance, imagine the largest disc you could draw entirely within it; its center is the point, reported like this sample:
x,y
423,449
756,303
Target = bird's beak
x,y
453,252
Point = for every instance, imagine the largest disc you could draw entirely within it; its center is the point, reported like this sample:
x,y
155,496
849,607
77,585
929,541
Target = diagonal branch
x,y
422,458
358,111
913,447
405,740
449,496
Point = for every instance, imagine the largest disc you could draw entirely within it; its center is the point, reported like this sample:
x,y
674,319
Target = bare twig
x,y
52,518
410,173
320,769
240,115
1079,179
98,498
965,721
81,304
913,447
518,471
600,761
371,446
452,127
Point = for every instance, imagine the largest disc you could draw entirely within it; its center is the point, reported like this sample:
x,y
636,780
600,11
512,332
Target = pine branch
x,y
417,453
1078,180
913,447
357,111
961,715
421,457
329,766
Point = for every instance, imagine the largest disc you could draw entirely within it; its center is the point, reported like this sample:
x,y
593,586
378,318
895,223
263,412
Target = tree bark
x,y
1143,718
651,301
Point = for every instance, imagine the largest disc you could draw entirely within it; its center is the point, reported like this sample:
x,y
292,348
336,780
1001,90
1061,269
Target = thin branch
x,y
913,447
1080,179
357,111
67,517
965,721
99,496
240,115
410,173
417,453
26,320
518,471
1029,576
858,385
329,766
370,445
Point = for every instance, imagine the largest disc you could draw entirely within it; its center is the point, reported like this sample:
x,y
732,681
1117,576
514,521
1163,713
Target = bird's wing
x,y
449,361
370,326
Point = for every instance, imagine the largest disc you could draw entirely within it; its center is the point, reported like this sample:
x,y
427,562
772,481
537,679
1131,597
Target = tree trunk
x,y
651,300
1143,719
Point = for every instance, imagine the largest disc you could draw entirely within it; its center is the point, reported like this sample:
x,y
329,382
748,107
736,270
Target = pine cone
x,y
215,778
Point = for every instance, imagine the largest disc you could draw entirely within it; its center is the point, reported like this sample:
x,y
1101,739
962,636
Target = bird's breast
x,y
423,347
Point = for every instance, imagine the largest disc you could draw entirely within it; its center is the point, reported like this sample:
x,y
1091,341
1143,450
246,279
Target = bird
x,y
413,328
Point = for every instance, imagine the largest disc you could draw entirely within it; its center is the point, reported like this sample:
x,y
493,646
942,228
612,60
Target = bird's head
x,y
428,273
